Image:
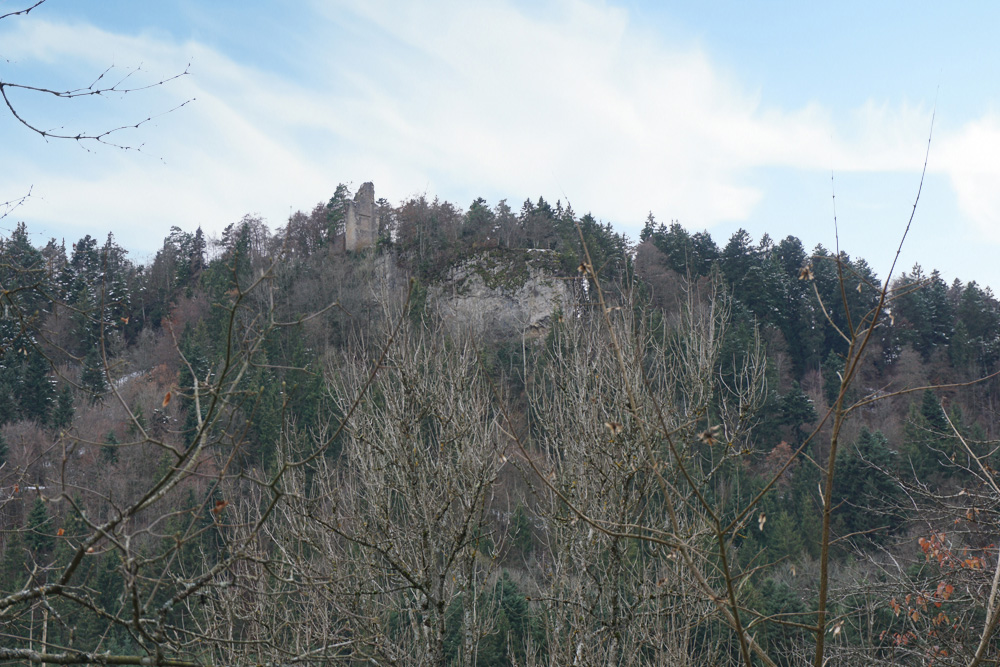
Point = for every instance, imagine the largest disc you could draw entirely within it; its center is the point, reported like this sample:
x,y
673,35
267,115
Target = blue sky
x,y
718,115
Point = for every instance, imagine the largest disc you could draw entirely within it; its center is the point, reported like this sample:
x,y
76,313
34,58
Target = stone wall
x,y
361,224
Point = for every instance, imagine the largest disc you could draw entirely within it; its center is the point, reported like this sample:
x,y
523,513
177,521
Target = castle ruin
x,y
361,225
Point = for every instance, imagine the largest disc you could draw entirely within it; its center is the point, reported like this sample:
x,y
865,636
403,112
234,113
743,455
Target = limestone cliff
x,y
502,293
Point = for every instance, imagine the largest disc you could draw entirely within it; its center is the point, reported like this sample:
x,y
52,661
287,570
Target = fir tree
x,y
14,566
797,410
36,394
929,441
92,377
832,370
62,417
39,535
864,490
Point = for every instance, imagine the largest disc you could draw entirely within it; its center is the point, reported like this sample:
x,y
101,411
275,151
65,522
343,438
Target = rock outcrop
x,y
502,293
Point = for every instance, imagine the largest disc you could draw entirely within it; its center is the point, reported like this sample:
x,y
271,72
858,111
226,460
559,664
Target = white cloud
x,y
460,99
971,158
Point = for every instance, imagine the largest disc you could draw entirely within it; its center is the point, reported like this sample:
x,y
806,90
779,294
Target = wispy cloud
x,y
463,99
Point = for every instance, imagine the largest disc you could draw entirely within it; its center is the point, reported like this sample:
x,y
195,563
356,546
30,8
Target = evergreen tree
x,y
648,228
265,420
520,530
196,258
15,565
923,312
774,598
864,490
737,258
784,536
805,505
8,405
676,244
92,377
798,316
515,627
704,254
978,328
336,212
140,421
115,289
62,417
930,443
39,536
847,304
22,273
109,451
36,395
832,371
79,626
797,410
479,222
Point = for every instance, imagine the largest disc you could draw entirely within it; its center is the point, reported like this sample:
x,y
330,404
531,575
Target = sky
x,y
719,116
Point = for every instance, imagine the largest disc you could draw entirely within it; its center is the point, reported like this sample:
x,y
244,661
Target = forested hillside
x,y
265,449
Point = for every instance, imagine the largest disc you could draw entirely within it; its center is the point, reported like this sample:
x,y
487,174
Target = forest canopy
x,y
266,448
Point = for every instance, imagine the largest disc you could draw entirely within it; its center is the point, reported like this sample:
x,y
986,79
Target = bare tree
x,y
108,83
624,415
381,547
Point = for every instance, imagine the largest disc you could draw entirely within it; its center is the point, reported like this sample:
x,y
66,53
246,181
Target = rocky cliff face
x,y
502,294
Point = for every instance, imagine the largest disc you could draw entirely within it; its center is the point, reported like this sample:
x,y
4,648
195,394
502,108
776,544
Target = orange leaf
x,y
60,532
166,399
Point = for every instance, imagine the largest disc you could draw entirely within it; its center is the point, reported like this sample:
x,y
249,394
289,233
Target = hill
x,y
420,434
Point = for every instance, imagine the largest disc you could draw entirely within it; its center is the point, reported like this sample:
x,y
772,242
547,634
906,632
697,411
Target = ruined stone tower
x,y
361,225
